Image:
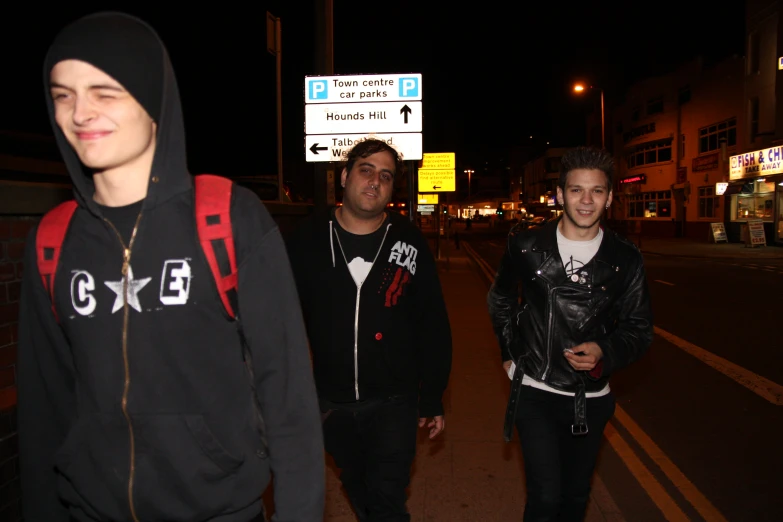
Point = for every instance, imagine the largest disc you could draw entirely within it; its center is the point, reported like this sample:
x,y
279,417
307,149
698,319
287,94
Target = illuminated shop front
x,y
641,203
757,179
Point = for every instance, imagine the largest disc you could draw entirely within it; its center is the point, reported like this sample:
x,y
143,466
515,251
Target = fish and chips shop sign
x,y
764,162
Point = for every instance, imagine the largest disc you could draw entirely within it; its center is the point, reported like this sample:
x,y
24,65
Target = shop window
x,y
710,137
753,206
780,217
636,209
708,202
650,204
665,208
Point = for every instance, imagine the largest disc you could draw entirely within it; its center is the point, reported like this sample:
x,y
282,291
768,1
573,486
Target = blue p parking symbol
x,y
409,87
317,90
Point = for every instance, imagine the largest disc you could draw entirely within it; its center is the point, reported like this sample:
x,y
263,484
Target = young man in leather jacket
x,y
584,314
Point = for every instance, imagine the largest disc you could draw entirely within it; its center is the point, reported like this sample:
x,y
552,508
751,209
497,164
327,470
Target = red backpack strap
x,y
213,221
49,241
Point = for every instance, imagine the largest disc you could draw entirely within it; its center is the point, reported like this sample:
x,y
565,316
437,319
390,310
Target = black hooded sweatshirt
x,y
388,336
143,409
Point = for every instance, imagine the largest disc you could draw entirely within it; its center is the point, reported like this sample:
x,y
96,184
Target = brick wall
x,y
13,232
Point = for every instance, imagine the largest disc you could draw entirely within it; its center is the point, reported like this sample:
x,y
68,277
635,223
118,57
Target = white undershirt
x,y
575,255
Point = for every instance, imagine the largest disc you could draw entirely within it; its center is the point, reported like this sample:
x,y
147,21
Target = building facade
x,y
755,190
672,141
540,183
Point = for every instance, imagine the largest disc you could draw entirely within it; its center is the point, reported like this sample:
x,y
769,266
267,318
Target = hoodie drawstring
x,y
331,240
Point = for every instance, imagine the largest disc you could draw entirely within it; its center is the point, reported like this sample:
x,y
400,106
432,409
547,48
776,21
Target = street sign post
x,y
340,111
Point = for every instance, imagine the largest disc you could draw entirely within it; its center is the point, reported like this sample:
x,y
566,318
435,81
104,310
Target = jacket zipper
x,y
126,257
594,314
550,317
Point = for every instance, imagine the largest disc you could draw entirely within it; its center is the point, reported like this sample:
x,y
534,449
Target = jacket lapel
x,y
605,267
551,268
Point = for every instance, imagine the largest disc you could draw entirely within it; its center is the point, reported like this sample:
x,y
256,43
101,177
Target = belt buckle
x,y
579,429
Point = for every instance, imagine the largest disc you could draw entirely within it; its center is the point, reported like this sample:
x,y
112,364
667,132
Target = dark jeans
x,y
374,443
558,465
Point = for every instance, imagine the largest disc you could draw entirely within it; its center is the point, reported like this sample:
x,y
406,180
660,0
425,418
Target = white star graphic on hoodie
x,y
134,286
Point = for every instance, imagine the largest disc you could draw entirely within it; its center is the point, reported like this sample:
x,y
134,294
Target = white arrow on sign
x,y
360,118
333,147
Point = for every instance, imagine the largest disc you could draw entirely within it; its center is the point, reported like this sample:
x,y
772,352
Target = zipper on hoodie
x,y
358,298
356,339
126,257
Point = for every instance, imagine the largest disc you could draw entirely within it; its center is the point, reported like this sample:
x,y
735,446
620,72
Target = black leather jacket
x,y
611,309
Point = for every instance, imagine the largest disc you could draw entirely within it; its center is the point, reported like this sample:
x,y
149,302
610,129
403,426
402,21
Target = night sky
x,y
492,74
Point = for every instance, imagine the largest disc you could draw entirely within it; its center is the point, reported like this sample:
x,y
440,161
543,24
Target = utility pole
x,y
274,46
324,173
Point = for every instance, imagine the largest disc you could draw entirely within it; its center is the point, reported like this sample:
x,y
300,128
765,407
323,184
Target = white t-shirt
x,y
576,254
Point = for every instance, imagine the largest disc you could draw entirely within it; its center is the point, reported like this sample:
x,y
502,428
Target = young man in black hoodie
x,y
379,332
139,398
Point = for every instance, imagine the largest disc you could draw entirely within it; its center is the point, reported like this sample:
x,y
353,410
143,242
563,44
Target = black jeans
x,y
558,465
373,443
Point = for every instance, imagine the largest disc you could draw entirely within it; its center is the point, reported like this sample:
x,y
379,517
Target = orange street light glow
x,y
579,87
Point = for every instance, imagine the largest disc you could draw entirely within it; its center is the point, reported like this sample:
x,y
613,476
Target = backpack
x,y
213,222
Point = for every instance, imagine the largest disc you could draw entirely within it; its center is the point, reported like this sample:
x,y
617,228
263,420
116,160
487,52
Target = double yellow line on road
x,y
654,489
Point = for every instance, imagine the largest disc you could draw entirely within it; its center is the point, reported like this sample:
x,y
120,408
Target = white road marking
x,y
761,386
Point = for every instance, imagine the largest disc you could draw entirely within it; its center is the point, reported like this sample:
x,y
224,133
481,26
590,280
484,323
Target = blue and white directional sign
x,y
334,147
382,105
363,88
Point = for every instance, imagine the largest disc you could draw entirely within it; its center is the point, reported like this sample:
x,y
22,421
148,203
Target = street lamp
x,y
469,172
579,88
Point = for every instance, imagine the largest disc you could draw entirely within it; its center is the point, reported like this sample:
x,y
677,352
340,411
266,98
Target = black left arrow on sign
x,y
315,148
435,187
406,110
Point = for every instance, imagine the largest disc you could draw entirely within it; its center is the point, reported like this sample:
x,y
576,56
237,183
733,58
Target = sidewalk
x,y
469,473
667,246
682,247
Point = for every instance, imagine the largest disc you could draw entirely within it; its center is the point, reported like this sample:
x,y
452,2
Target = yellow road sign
x,y
438,160
428,199
436,180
